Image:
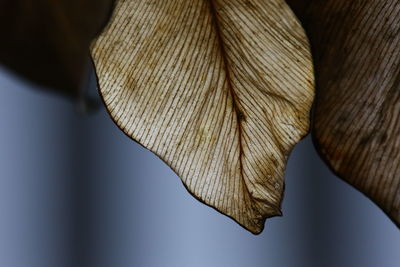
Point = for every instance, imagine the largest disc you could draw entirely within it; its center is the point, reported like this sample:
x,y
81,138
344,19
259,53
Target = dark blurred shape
x,y
356,49
89,99
48,41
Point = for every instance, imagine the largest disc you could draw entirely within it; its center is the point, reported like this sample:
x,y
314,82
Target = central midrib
x,y
235,105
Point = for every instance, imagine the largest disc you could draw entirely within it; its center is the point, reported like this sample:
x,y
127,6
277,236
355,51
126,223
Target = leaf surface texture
x,y
220,90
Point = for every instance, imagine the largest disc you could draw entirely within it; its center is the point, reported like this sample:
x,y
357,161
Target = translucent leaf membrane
x,y
219,90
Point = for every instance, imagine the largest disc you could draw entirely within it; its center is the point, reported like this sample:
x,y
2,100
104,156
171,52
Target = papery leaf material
x,y
220,90
356,48
47,42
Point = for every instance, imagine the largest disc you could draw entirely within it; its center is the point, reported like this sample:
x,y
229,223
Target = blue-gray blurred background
x,y
75,191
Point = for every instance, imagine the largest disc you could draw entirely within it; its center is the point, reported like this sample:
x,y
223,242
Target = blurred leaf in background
x,y
356,51
47,42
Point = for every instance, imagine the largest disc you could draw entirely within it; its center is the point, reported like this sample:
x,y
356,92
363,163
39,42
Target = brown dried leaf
x,y
48,41
220,90
356,48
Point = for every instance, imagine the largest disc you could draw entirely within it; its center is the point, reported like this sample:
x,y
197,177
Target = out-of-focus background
x,y
75,191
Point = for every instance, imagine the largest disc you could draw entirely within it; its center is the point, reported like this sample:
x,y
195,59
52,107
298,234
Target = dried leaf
x,y
48,41
220,90
356,48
